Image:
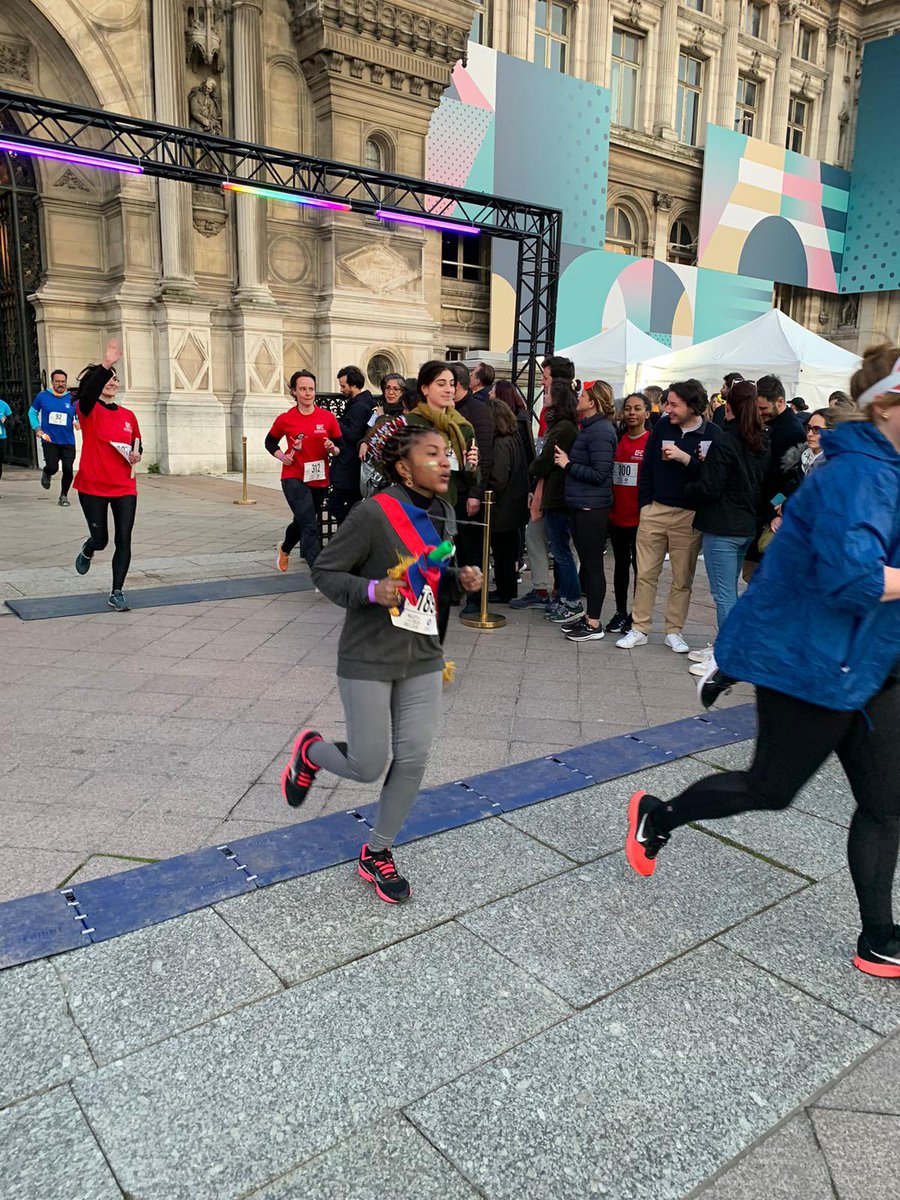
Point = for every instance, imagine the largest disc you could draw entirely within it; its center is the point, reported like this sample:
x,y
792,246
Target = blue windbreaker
x,y
812,624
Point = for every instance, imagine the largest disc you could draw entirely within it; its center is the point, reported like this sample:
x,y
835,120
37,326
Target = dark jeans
x,y
505,550
561,548
340,501
624,543
589,536
306,505
96,513
54,456
794,740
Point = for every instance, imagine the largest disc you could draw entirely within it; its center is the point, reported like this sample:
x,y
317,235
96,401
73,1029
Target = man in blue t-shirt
x,y
5,414
52,417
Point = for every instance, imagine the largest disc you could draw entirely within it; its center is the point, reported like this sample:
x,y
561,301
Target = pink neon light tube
x,y
429,222
84,160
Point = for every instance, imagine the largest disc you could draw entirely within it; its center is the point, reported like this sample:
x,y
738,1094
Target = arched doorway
x,y
21,266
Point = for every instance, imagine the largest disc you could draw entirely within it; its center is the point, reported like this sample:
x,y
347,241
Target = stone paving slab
x,y
389,1157
158,1114
809,941
806,844
48,1152
646,1094
41,1044
142,988
788,1165
872,1086
851,1141
586,824
488,860
596,928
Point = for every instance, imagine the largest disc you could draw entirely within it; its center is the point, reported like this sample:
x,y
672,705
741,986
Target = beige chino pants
x,y
664,530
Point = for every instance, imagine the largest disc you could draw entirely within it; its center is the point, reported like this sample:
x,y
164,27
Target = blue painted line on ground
x,y
53,922
43,608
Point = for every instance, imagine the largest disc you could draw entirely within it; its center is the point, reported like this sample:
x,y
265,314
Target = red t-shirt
x,y
626,469
311,464
104,470
542,422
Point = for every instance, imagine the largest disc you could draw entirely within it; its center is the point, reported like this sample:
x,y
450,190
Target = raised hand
x,y
113,352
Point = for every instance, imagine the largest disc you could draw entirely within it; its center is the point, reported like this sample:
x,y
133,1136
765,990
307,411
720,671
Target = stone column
x,y
519,25
667,73
787,13
728,65
599,29
250,212
175,225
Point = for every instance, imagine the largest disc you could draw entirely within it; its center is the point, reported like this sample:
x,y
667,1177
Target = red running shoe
x,y
883,962
377,866
643,843
299,775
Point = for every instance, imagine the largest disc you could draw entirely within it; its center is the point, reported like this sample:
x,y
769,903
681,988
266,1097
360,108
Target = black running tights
x,y
96,513
794,740
589,535
624,544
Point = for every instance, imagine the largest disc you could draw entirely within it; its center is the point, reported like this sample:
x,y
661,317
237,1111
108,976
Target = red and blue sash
x,y
416,531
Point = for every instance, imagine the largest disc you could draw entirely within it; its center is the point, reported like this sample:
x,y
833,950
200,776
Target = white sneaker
x,y
677,643
701,668
633,638
701,656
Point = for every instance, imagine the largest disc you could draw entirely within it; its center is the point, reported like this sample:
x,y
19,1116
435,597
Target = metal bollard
x,y
485,620
243,499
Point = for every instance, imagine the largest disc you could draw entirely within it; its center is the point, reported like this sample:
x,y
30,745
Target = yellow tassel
x,y
449,673
404,562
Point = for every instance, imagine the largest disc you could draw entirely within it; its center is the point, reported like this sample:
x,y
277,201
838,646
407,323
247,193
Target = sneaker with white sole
x,y
713,684
632,638
585,633
701,656
677,643
700,668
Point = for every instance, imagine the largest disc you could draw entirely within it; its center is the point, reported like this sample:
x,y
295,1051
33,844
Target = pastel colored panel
x,y
801,211
835,198
762,152
725,248
803,189
761,200
761,175
821,270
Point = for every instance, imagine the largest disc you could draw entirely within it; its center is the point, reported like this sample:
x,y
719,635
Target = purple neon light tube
x,y
429,222
84,160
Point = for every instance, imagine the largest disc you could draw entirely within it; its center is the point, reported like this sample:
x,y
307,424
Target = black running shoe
x,y
377,866
83,561
620,623
118,602
883,961
713,685
299,775
585,633
63,502
45,480
643,842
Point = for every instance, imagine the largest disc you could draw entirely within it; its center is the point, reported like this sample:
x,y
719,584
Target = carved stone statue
x,y
204,110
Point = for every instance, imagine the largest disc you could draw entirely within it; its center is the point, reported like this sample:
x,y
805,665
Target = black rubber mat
x,y
43,608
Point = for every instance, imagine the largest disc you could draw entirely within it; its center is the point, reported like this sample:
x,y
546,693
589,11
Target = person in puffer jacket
x,y
588,491
818,633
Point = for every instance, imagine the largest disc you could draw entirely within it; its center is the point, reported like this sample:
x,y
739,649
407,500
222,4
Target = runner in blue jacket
x,y
52,417
818,633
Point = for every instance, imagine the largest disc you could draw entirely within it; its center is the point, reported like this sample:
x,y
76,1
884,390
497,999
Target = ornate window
x,y
374,156
755,19
379,365
806,43
463,257
482,23
798,124
621,237
682,243
552,34
696,5
690,95
747,108
625,79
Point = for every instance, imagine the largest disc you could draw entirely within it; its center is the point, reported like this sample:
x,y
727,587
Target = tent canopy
x,y
773,344
612,355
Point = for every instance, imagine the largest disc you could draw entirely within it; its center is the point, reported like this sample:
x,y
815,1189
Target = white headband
x,y
890,383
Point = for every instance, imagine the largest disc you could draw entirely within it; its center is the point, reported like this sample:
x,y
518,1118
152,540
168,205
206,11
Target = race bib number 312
x,y
314,472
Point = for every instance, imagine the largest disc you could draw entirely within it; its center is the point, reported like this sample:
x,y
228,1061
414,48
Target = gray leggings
x,y
399,717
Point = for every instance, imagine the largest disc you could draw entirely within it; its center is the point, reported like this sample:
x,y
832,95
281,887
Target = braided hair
x,y
392,442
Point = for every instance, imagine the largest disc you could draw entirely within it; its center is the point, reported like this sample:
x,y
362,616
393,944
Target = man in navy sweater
x,y
667,519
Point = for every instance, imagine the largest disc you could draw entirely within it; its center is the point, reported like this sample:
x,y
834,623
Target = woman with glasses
x,y
813,456
110,449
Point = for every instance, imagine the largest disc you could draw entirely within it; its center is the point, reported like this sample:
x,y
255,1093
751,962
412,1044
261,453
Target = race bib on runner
x,y
625,474
314,472
57,418
419,619
454,461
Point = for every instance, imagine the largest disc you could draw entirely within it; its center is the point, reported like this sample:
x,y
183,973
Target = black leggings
x,y
96,513
306,504
624,544
589,535
56,456
794,740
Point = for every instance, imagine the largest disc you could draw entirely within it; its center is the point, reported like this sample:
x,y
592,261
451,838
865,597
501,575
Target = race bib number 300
x,y
625,474
419,619
314,472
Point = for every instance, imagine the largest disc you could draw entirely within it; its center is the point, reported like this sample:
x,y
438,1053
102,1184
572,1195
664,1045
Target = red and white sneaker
x,y
299,775
377,866
643,843
883,962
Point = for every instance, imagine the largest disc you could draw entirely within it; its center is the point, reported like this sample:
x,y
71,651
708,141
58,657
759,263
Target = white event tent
x,y
612,355
773,344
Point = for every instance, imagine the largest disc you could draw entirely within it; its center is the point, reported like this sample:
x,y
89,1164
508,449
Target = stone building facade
x,y
218,298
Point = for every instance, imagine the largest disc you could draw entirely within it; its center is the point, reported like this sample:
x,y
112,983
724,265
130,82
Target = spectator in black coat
x,y
589,471
718,417
354,423
510,395
510,484
787,440
468,500
482,381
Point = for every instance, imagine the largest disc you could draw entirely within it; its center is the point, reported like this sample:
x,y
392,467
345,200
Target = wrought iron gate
x,y
20,272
